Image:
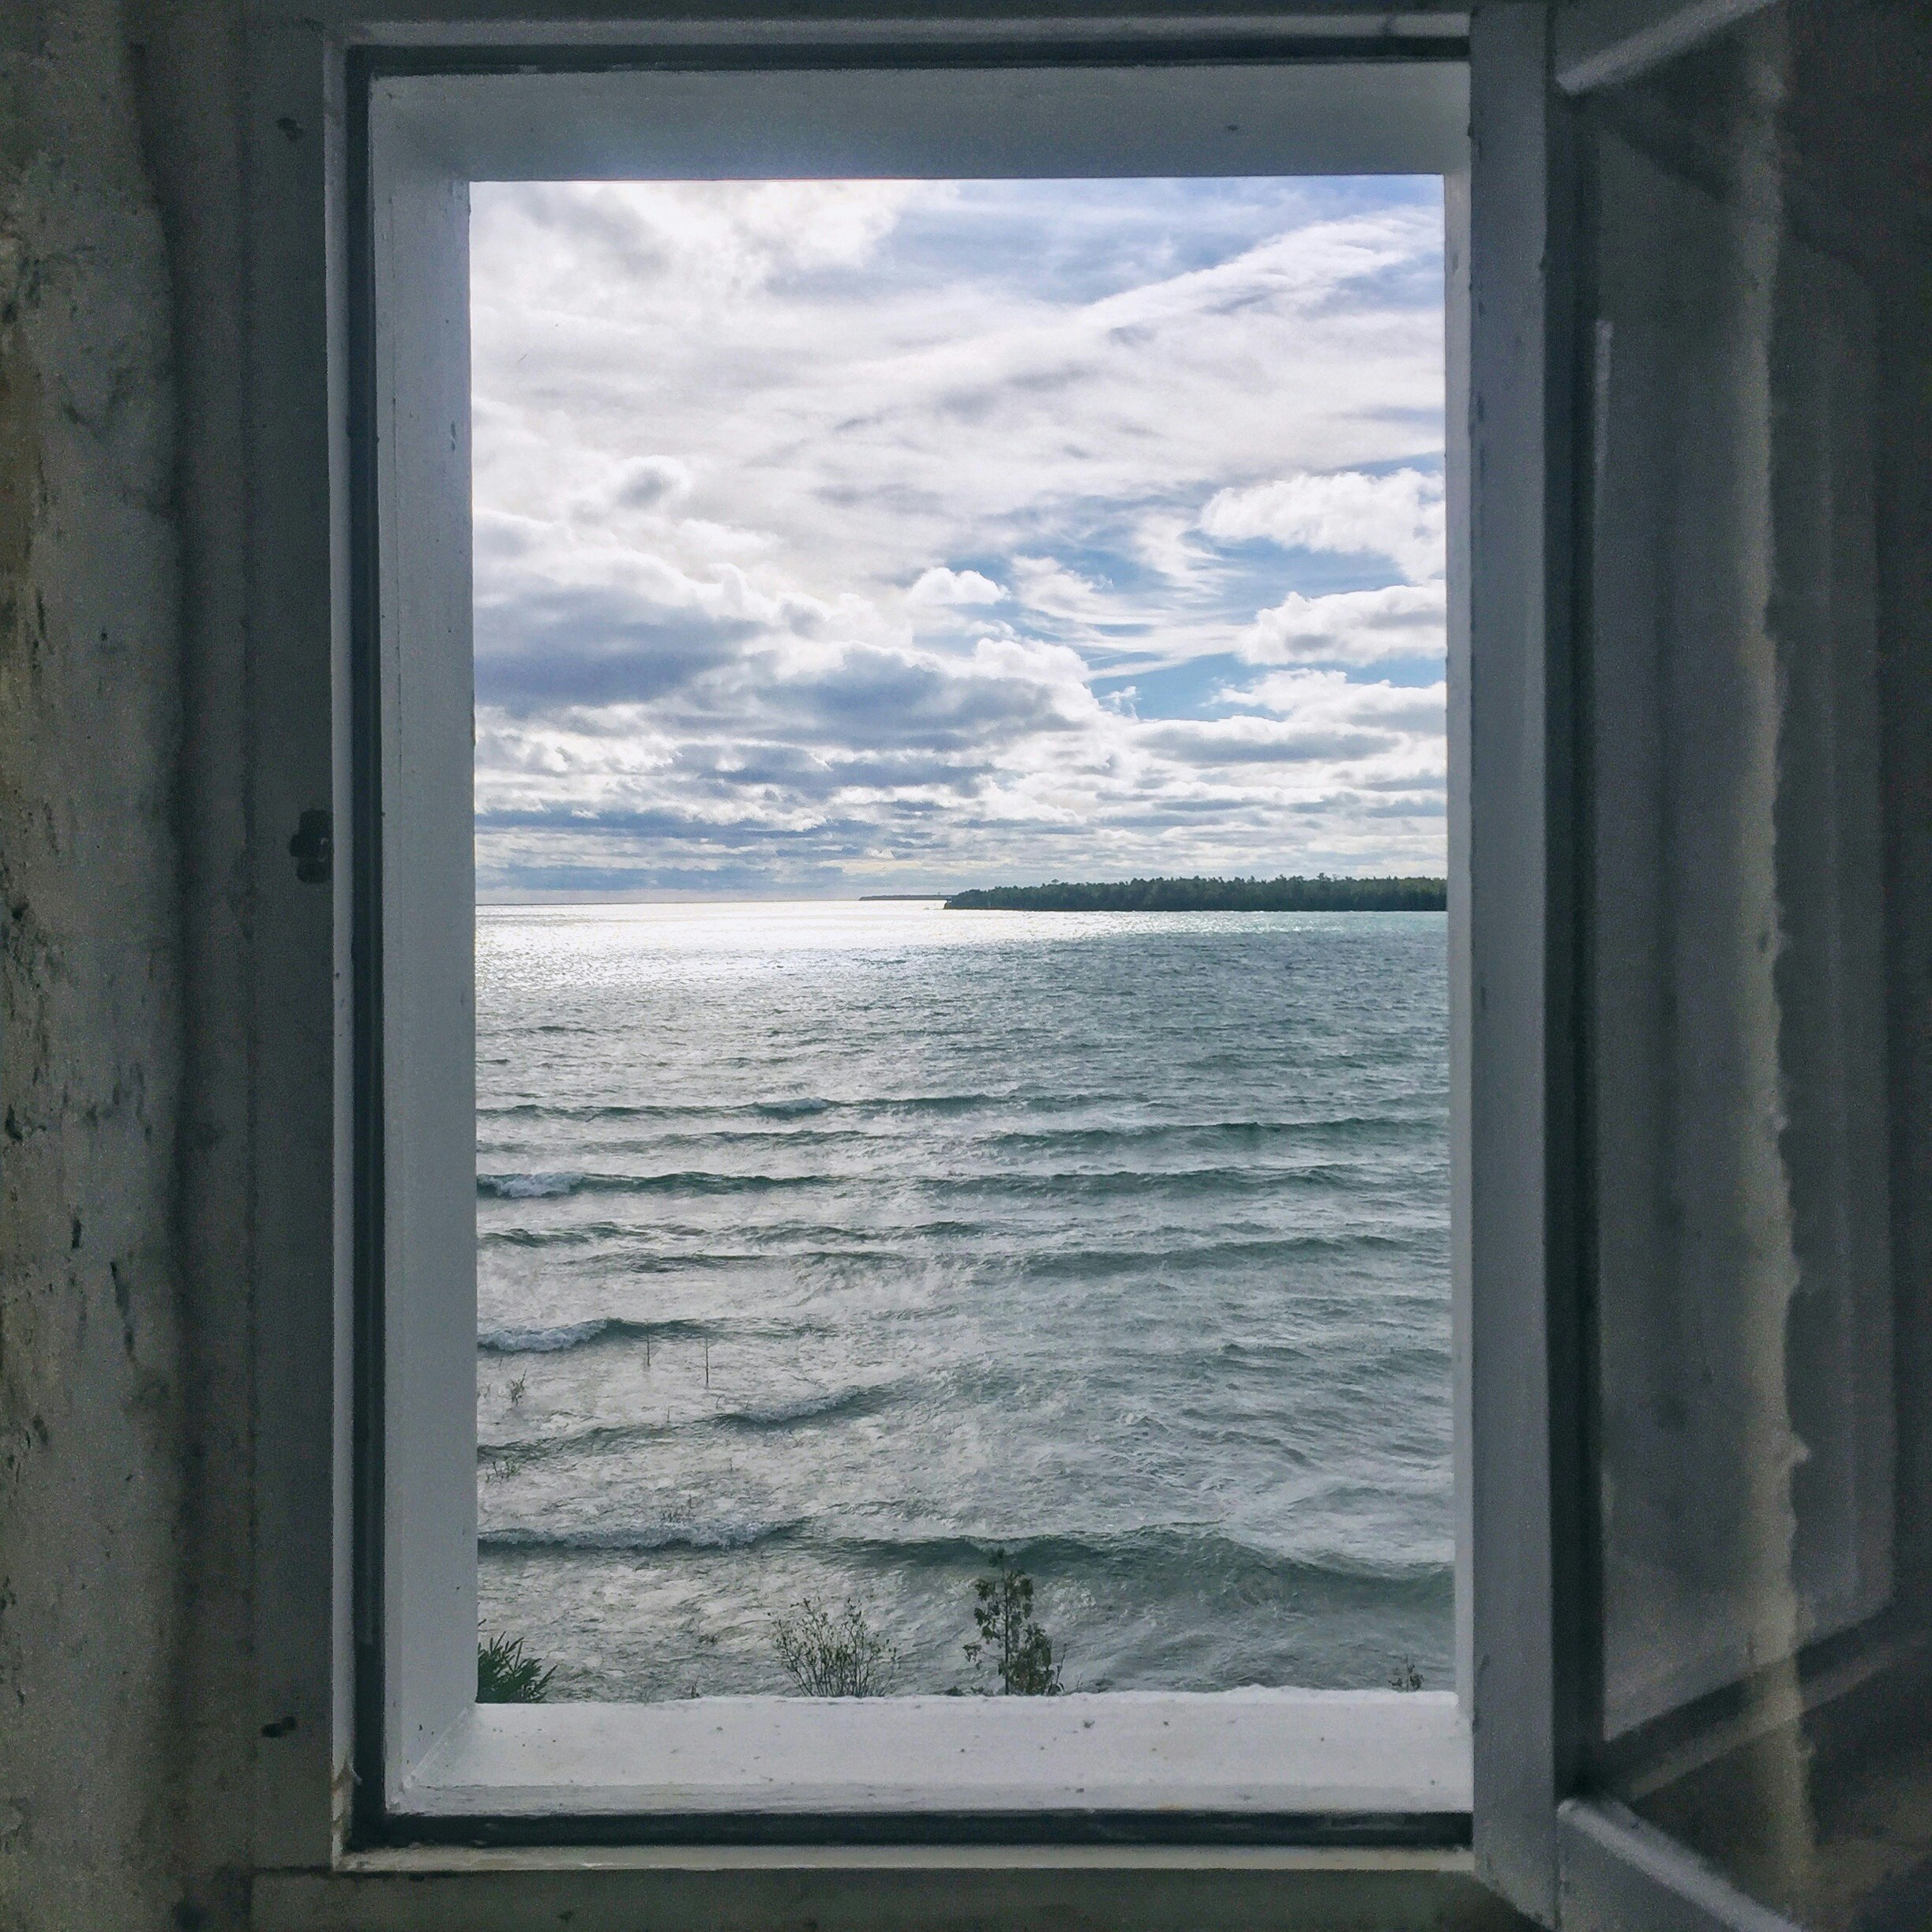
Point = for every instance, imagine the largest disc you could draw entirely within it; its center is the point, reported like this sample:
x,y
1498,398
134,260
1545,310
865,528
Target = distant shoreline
x,y
1319,894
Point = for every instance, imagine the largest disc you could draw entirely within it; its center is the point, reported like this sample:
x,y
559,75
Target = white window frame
x,y
1292,1766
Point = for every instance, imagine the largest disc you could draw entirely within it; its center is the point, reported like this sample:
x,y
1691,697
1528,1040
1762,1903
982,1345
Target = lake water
x,y
825,1248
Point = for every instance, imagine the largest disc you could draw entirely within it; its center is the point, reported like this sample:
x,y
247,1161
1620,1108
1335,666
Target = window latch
x,y
313,847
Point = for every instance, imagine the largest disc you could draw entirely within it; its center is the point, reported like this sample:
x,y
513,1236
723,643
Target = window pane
x,y
1759,688
840,543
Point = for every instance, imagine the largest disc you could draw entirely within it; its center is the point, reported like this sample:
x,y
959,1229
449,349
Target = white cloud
x,y
582,248
1400,516
1351,627
945,587
1048,587
721,429
1316,697
861,418
1165,542
1368,733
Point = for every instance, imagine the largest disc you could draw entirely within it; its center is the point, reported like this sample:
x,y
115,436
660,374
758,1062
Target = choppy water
x,y
1120,1240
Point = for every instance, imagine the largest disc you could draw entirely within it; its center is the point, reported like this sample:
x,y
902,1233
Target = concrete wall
x,y
123,1307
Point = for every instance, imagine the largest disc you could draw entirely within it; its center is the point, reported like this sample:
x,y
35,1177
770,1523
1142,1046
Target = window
x,y
1700,1704
945,1764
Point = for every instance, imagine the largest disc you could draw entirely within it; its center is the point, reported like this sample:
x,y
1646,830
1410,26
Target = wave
x,y
527,1187
834,1405
795,1110
793,1245
1345,1128
1204,1561
712,1124
1210,1181
1189,1549
560,1337
826,1406
727,1533
781,1243
1197,1180
659,1260
689,1181
792,1109
1126,1258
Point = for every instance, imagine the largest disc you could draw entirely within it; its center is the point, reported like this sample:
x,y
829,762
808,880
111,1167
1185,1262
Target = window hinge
x,y
313,847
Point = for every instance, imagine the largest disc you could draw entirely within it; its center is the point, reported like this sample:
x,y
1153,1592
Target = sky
x,y
847,536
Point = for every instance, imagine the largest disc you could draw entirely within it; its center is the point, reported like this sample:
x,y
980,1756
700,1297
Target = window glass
x,y
1758,945
882,1295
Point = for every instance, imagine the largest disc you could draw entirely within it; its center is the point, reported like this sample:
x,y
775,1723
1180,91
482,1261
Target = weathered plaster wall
x,y
90,1384
122,1319
186,59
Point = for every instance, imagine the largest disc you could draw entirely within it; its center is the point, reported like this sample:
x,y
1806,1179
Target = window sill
x,y
910,1888
1347,1757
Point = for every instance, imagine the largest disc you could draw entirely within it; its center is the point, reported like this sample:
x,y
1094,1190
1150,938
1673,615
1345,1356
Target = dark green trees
x,y
1319,894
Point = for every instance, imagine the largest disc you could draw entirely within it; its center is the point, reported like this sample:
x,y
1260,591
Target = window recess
x,y
1284,1768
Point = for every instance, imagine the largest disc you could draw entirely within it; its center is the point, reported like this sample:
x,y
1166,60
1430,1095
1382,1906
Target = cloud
x,y
651,483
1316,697
941,586
1046,585
1400,516
1351,627
1320,717
866,697
593,647
584,246
722,429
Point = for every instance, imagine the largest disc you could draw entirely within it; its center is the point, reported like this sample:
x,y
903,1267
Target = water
x,y
1117,1241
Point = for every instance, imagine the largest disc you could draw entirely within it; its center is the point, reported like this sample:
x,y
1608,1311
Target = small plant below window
x,y
517,1388
1406,1676
833,1656
1011,1643
505,1676
500,1468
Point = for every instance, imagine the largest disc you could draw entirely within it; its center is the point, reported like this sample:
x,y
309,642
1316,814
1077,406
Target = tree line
x,y
1321,894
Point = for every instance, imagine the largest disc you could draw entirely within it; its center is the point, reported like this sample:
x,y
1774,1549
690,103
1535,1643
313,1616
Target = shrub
x,y
1011,1642
505,1676
1406,1676
833,1656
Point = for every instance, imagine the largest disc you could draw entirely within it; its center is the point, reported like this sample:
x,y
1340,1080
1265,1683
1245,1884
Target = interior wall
x,y
123,1298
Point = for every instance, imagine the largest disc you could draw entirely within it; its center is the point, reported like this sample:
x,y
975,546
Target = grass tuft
x,y
505,1676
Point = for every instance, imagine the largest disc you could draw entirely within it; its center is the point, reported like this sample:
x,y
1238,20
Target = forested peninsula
x,y
1318,895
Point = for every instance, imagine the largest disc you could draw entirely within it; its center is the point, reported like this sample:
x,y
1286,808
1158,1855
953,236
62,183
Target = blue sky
x,y
901,536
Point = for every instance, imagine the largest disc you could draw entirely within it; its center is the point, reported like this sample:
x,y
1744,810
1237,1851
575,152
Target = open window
x,y
1700,1568
1688,713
